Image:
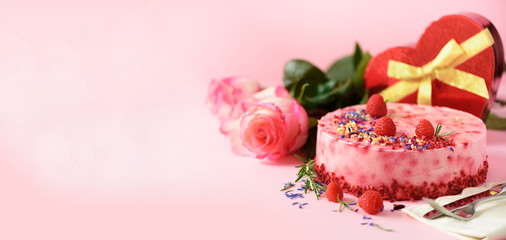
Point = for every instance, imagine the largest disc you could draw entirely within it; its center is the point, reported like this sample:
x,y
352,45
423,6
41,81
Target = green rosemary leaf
x,y
319,185
438,130
301,159
446,134
288,185
311,185
384,229
343,204
299,177
307,170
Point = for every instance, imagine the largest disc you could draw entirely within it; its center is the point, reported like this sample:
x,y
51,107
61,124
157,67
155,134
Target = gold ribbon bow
x,y
441,68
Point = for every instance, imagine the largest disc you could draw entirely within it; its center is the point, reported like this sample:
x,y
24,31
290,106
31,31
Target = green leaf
x,y
324,94
327,97
357,56
341,70
358,81
342,85
495,122
300,72
350,68
344,68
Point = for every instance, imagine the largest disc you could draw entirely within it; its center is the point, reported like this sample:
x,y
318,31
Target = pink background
x,y
104,133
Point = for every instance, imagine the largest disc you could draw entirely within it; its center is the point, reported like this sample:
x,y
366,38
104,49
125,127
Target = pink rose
x,y
273,125
223,96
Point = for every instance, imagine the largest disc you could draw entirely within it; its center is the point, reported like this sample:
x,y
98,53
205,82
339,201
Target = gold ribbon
x,y
441,68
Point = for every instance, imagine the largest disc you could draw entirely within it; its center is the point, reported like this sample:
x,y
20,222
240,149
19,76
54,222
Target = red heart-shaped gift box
x,y
487,64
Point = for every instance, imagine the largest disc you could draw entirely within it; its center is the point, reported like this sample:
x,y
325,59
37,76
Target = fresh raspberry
x,y
376,106
385,127
371,202
424,129
334,190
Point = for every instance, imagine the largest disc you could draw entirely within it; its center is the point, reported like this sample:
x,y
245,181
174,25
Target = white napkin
x,y
489,221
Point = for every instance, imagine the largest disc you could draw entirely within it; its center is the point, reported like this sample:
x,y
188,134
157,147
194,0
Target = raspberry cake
x,y
402,166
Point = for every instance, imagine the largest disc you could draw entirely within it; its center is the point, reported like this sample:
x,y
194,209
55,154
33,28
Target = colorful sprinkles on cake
x,y
352,126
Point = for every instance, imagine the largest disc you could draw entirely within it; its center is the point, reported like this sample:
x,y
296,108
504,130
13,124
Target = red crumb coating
x,y
371,202
397,191
333,191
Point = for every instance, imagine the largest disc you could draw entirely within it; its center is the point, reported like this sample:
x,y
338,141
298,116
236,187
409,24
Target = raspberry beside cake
x,y
401,167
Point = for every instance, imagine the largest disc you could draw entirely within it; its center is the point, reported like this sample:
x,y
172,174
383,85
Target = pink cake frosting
x,y
401,167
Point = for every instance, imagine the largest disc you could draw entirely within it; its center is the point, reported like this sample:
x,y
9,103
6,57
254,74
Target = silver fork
x,y
468,211
465,212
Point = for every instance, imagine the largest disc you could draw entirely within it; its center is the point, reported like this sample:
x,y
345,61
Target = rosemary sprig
x,y
344,204
438,130
307,170
287,186
384,229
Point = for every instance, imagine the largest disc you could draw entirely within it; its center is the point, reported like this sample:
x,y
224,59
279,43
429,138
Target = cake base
x,y
397,191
